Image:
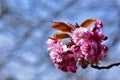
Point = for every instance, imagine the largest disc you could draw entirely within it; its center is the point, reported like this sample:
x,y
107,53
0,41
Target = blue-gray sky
x,y
24,29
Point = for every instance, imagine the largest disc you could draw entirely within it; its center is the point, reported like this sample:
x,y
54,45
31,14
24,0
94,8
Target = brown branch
x,y
105,67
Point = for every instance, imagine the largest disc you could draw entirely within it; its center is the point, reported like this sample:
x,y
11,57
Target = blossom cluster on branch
x,y
83,48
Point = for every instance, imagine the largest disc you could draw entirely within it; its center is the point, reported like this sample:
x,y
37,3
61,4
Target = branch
x,y
105,67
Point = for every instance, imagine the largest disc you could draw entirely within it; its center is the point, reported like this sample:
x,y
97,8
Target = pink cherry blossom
x,y
87,48
62,58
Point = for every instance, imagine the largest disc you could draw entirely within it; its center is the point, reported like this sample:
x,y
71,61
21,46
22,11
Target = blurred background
x,y
24,29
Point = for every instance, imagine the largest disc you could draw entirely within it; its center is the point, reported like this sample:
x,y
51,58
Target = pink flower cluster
x,y
87,48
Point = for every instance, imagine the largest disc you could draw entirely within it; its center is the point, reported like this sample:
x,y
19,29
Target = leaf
x,y
52,38
87,22
61,35
62,26
77,25
70,43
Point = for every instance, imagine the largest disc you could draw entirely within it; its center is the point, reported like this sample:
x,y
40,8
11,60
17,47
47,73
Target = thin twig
x,y
105,67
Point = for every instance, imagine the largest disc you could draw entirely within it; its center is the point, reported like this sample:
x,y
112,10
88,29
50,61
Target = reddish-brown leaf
x,y
70,43
52,38
61,35
88,22
62,27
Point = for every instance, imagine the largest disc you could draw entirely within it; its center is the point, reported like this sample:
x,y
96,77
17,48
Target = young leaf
x,y
62,27
77,25
87,22
61,35
70,43
52,38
